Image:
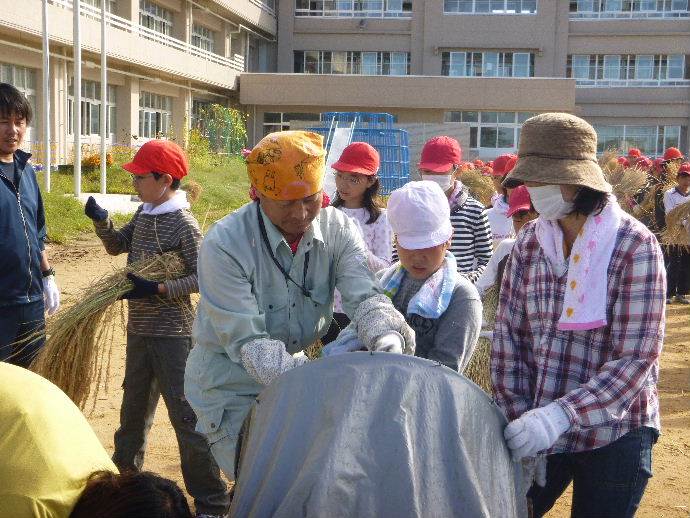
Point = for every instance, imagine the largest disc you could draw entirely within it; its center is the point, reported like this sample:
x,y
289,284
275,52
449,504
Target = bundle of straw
x,y
677,231
76,355
627,183
480,186
479,368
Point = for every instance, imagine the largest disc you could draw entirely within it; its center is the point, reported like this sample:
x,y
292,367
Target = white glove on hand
x,y
390,342
536,430
51,294
266,359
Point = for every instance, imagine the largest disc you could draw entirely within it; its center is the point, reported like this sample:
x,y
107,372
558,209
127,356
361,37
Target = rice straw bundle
x,y
677,231
479,368
627,183
480,186
76,355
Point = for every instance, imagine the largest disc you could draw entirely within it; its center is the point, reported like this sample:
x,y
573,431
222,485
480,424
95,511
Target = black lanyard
x,y
264,237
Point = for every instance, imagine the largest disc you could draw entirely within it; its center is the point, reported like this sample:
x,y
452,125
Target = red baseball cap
x,y
358,157
644,161
634,152
672,153
623,161
439,154
478,163
518,200
487,170
684,169
501,162
159,156
658,164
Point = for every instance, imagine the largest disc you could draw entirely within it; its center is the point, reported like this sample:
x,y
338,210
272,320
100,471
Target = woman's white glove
x,y
266,359
536,430
51,294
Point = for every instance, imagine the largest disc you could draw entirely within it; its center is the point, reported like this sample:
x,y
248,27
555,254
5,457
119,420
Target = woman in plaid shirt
x,y
579,329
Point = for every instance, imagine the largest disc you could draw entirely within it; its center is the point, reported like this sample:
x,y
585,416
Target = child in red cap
x,y
357,195
160,317
678,257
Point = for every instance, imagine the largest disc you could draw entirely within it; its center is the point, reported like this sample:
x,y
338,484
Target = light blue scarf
x,y
433,298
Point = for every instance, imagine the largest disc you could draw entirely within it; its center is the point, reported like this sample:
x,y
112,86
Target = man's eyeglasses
x,y
139,177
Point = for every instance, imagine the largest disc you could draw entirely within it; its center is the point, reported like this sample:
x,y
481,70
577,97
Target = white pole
x,y
46,99
104,98
77,98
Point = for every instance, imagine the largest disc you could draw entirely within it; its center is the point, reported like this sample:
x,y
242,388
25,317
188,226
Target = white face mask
x,y
444,181
549,203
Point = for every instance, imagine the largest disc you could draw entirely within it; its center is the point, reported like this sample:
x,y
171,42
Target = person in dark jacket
x,y
27,282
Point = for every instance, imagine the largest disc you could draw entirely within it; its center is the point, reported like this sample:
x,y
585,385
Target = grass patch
x,y
224,188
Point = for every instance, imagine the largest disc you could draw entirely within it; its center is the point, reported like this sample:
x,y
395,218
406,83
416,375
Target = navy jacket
x,y
22,232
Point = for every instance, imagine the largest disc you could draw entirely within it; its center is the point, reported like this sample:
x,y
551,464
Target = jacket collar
x,y
275,238
22,157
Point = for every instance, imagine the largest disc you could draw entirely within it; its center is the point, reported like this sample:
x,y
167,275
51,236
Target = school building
x,y
490,64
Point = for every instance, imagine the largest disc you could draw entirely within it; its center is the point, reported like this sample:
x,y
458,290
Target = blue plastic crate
x,y
391,143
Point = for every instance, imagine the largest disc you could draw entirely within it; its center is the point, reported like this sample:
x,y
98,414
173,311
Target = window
x,y
155,17
24,80
583,9
278,121
491,131
487,64
651,140
109,4
91,109
199,107
352,62
676,67
203,38
628,70
155,114
490,6
612,67
354,8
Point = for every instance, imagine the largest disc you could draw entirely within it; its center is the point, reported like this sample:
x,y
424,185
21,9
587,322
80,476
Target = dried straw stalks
x,y
78,347
480,186
479,368
677,231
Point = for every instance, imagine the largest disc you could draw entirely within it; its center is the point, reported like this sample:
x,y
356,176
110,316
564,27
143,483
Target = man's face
x,y
292,217
683,181
423,263
12,130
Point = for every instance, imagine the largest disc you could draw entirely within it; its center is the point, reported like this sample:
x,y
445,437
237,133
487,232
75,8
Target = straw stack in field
x,y
677,231
480,186
76,355
479,368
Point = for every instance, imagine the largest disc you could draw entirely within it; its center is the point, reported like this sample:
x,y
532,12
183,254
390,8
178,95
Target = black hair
x,y
371,201
130,495
175,183
14,103
588,201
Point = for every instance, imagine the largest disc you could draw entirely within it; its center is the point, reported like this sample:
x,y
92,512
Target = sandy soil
x,y
668,493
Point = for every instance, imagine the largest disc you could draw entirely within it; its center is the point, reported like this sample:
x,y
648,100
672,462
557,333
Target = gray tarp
x,y
381,435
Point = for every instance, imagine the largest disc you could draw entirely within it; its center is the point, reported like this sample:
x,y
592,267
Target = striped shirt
x,y
146,235
605,379
471,244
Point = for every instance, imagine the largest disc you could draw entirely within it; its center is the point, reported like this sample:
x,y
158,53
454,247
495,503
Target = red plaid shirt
x,y
605,379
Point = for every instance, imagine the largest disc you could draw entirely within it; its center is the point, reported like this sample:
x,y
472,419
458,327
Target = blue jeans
x,y
16,323
607,482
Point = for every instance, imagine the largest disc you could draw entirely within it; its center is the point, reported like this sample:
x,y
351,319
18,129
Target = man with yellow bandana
x,y
267,274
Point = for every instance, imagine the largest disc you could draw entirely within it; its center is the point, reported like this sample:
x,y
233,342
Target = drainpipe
x,y
47,159
104,99
77,98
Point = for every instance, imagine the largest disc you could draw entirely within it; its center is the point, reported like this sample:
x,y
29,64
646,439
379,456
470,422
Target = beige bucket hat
x,y
558,148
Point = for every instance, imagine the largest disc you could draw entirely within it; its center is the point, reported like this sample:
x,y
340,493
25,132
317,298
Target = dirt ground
x,y
668,493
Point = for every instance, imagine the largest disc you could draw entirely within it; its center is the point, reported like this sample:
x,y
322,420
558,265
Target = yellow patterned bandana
x,y
288,165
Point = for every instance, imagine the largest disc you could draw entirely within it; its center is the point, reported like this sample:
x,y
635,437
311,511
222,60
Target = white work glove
x,y
390,342
51,294
346,342
375,317
266,359
536,430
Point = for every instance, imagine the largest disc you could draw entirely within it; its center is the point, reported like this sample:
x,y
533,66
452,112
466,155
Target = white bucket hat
x,y
419,215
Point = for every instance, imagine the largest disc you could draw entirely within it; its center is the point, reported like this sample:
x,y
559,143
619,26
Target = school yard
x,y
668,495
